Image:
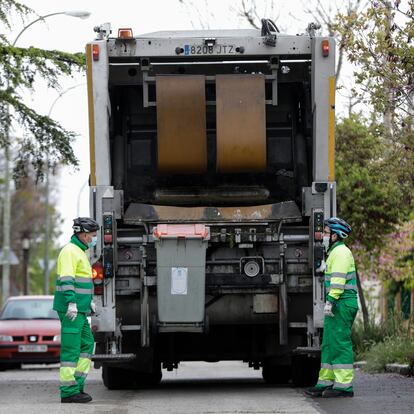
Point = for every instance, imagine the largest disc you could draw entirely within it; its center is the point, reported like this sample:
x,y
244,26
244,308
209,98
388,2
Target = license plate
x,y
205,50
32,348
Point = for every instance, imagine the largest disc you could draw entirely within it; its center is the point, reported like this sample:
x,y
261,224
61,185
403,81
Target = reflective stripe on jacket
x,y
340,274
74,278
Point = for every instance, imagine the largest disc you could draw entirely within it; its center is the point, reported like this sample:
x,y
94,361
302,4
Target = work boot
x,y
77,398
85,393
315,391
333,393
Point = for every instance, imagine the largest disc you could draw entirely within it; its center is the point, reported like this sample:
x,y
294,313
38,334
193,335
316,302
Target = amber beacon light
x,y
125,34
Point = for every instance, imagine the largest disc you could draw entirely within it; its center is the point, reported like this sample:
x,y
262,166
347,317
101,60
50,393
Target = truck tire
x,y
276,374
305,370
115,378
148,380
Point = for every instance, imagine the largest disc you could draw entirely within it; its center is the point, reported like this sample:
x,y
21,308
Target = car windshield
x,y
29,309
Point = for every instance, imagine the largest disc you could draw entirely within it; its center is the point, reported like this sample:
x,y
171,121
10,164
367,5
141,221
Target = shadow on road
x,y
221,383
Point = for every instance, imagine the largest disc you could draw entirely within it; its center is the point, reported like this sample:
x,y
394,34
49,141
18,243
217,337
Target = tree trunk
x,y
365,316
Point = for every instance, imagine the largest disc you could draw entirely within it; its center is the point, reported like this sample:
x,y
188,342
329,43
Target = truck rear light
x,y
98,276
108,239
95,52
125,34
325,48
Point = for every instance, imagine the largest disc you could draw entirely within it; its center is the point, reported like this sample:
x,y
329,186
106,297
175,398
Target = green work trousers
x,y
77,345
337,359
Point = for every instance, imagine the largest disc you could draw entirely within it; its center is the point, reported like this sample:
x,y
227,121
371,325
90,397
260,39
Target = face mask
x,y
326,242
93,242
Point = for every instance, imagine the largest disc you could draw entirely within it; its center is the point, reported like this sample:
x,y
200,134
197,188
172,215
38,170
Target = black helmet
x,y
84,225
339,226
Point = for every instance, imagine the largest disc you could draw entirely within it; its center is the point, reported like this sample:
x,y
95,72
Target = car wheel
x,y
5,367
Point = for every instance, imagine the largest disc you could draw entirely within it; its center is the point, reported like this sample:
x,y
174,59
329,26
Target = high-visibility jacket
x,y
74,278
340,274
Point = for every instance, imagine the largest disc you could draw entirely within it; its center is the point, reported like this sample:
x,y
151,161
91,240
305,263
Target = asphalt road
x,y
226,387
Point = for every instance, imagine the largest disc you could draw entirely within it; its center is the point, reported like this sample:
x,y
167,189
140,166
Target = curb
x,y
402,369
360,364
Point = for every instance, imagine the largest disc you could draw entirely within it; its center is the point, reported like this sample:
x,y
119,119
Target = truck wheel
x,y
305,370
115,378
149,380
276,374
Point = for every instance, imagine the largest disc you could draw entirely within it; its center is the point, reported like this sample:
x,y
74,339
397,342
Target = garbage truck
x,y
211,173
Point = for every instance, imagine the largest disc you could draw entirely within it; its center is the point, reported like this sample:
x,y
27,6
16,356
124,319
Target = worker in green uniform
x,y
73,302
337,371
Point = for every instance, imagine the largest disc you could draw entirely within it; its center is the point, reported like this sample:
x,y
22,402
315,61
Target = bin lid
x,y
181,231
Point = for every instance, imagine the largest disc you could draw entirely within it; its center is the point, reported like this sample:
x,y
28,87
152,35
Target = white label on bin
x,y
179,280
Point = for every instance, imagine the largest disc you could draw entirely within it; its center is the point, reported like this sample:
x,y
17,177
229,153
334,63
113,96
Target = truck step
x,y
113,357
307,350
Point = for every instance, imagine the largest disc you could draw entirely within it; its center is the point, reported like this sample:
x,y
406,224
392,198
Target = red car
x,y
29,332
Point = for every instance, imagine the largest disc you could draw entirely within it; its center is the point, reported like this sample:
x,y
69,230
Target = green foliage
x,y
19,69
395,263
369,197
379,41
363,340
8,6
384,343
376,191
392,350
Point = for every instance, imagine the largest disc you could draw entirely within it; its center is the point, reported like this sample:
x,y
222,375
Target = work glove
x,y
322,267
93,308
327,310
72,311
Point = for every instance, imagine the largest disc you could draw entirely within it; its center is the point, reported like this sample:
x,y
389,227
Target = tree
x,y
28,221
396,258
370,197
246,9
326,17
380,42
20,68
368,176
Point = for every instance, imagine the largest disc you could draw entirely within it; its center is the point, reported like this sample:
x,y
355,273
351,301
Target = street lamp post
x,y
81,14
26,250
7,201
47,221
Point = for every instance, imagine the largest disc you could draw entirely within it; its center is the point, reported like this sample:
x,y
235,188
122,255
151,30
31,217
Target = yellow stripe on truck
x,y
91,113
331,129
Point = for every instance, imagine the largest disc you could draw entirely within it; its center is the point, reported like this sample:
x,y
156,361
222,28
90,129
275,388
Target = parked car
x,y
29,332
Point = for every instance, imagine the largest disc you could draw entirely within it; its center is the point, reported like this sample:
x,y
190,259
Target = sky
x,y
71,34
